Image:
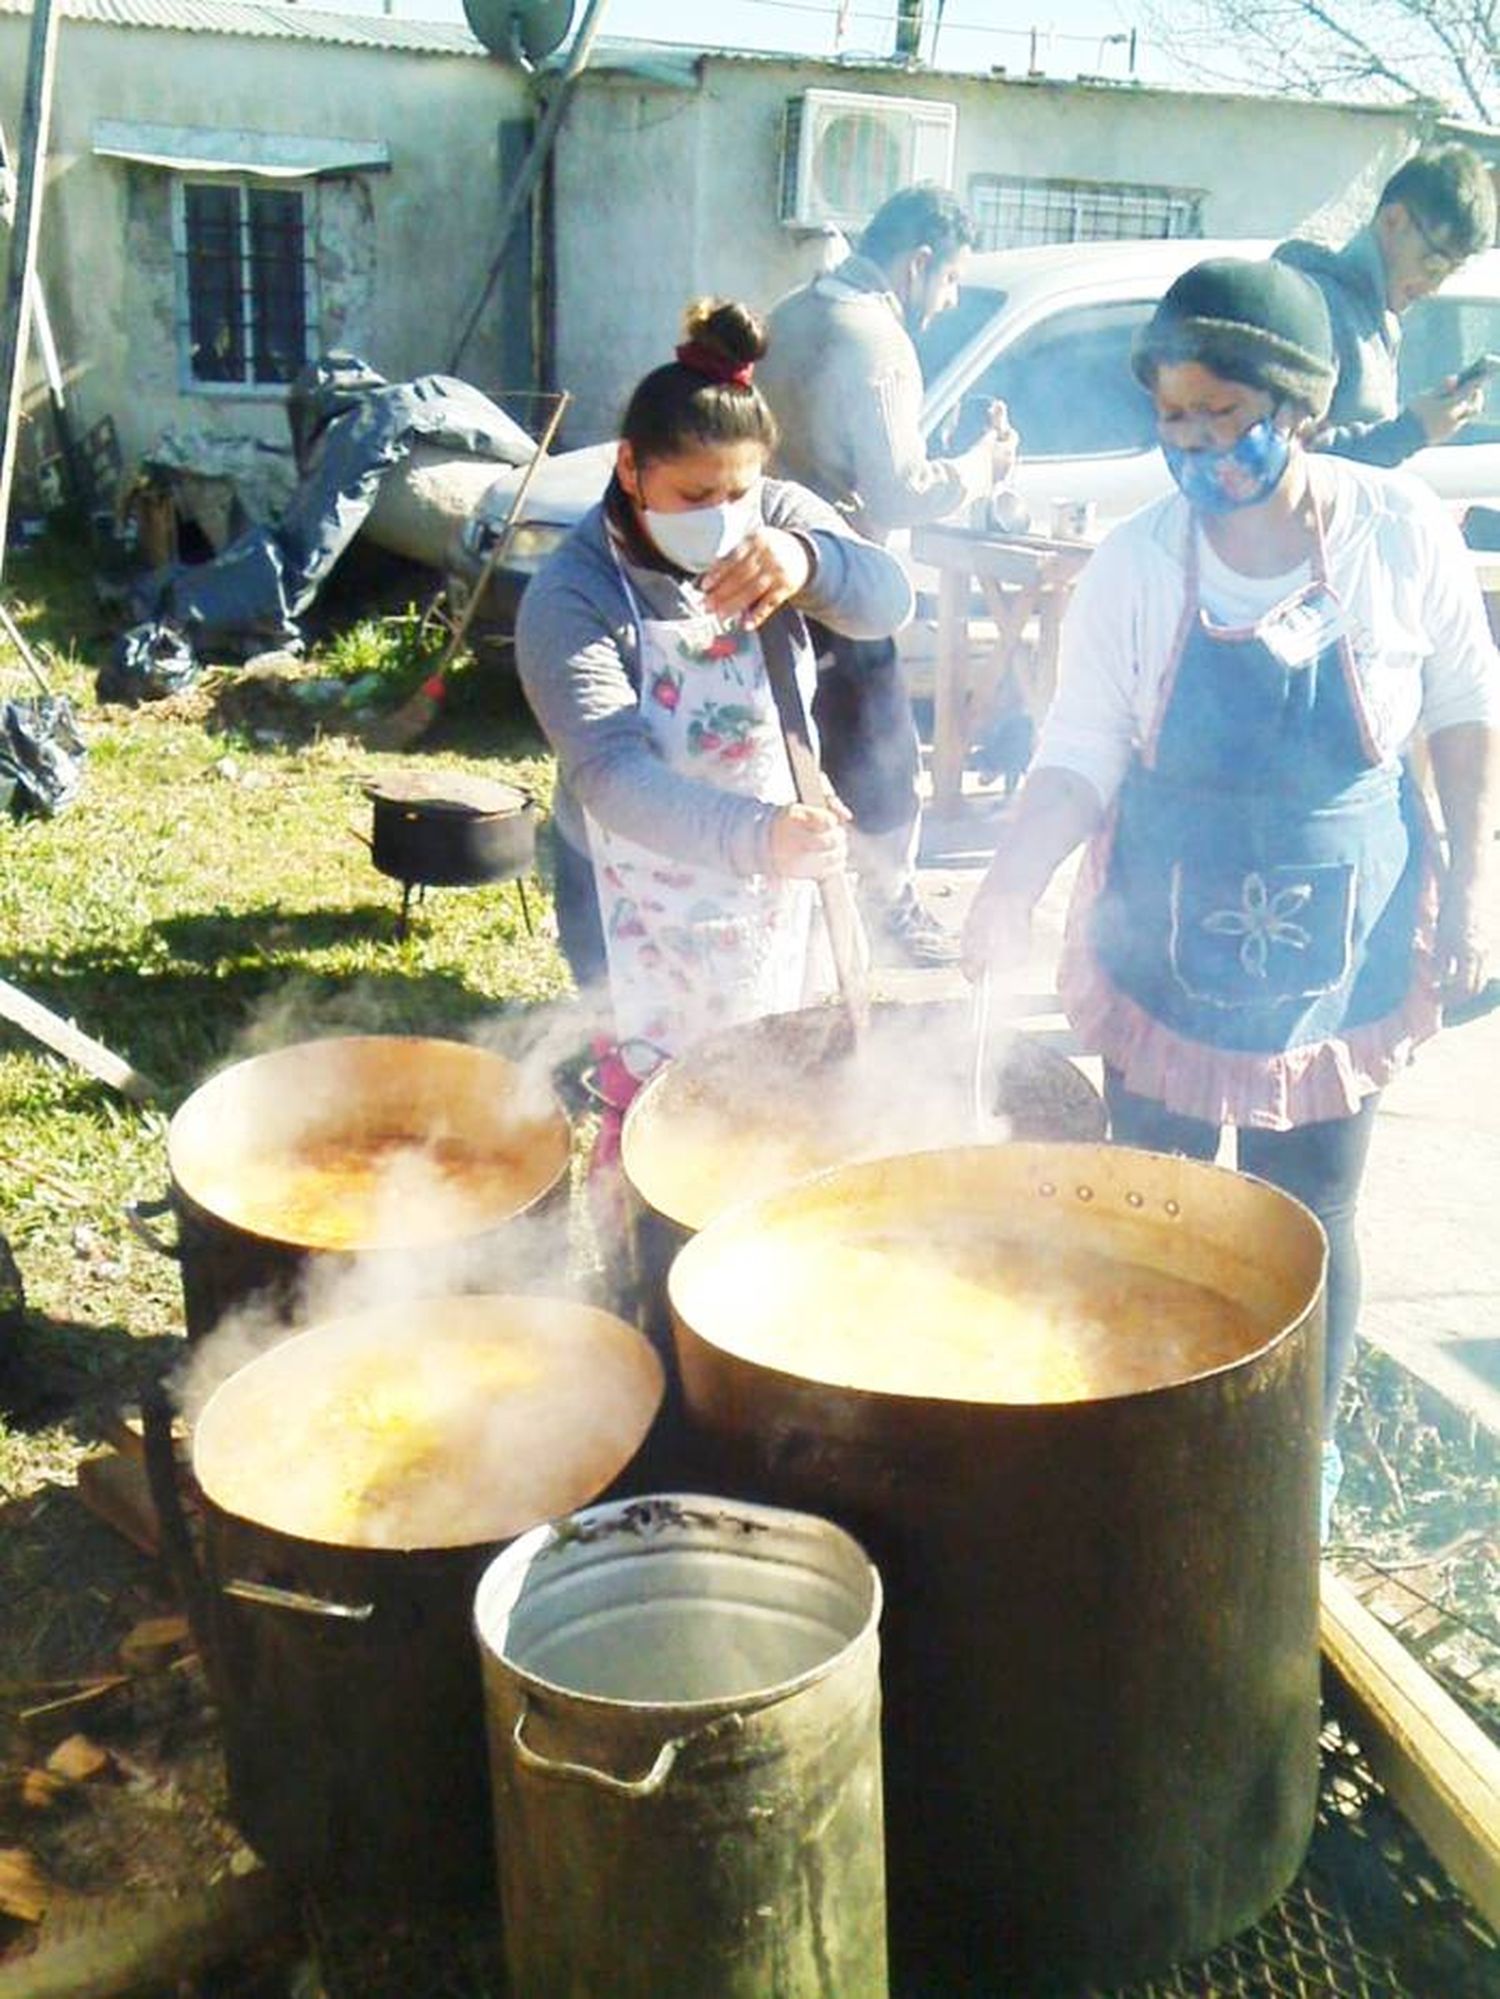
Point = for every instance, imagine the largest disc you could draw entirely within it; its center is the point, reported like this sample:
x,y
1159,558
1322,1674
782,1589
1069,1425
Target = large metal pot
x,y
444,1147
744,1111
1100,1646
354,1483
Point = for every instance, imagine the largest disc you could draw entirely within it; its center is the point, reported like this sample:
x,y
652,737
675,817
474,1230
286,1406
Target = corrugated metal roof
x,y
266,19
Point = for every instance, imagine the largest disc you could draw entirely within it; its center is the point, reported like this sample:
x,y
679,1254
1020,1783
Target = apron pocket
x,y
1242,939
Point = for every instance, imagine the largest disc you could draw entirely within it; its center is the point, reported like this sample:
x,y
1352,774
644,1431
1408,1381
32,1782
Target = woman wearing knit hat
x,y
1260,935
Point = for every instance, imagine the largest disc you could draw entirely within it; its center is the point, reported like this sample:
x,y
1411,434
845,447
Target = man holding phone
x,y
1434,213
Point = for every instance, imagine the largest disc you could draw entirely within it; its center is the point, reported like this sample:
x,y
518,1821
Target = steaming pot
x,y
1100,1646
354,1482
745,1110
238,1152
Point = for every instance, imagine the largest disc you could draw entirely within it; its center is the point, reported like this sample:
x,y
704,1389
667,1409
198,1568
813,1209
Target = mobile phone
x,y
1480,370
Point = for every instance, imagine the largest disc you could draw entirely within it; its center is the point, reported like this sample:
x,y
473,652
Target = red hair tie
x,y
717,367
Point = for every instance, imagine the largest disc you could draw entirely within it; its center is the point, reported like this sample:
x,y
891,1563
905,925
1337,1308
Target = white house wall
x,y
399,253
663,193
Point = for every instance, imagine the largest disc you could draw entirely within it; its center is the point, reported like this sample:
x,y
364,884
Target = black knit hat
x,y
1263,324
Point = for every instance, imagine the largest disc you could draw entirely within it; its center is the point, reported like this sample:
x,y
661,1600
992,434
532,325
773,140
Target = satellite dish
x,y
523,31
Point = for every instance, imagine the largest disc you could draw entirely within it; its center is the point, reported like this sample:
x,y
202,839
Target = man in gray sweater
x,y
842,377
1434,213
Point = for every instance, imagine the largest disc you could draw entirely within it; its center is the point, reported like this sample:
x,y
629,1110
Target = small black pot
x,y
451,830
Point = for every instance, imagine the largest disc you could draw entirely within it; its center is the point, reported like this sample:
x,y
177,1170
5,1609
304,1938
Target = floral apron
x,y
691,949
1250,919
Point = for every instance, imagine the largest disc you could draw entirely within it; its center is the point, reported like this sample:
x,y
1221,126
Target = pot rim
x,y
701,1246
627,1339
553,1121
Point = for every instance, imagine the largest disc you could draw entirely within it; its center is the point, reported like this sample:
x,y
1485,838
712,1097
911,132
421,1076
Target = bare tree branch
x,y
1444,51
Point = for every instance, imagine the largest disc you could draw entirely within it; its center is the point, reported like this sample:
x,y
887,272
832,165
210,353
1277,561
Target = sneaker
x,y
913,934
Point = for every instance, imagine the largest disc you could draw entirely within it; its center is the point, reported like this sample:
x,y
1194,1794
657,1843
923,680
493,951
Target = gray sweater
x,y
842,377
1365,420
576,650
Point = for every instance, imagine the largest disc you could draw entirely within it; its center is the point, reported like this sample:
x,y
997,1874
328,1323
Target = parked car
x,y
1049,329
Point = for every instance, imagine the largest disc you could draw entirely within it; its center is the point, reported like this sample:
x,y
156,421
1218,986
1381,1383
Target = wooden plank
x,y
1437,1764
63,1038
107,1947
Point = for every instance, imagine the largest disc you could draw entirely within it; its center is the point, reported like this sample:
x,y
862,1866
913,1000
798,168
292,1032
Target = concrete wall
x,y
664,193
399,254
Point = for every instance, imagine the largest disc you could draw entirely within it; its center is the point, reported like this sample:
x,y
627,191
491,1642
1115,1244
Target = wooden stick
x,y
1437,1764
413,718
28,658
839,911
63,1038
124,1943
15,311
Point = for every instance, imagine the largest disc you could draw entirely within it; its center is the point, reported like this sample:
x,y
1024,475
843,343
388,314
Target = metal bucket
x,y
1101,1646
683,1704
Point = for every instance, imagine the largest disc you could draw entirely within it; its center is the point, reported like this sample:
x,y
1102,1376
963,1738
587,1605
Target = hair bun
x,y
725,327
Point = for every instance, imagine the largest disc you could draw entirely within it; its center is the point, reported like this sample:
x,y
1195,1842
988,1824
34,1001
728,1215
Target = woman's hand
x,y
807,843
997,931
769,567
1460,940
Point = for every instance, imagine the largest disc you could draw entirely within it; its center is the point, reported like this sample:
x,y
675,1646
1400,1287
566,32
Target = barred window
x,y
1010,210
244,281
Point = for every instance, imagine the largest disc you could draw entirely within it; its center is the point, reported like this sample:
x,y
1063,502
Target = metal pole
x,y
15,316
525,181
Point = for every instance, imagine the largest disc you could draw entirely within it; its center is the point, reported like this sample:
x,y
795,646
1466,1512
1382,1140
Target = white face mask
x,y
695,538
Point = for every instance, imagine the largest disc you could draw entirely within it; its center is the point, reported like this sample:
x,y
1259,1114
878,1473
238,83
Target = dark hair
x,y
916,216
1450,190
678,407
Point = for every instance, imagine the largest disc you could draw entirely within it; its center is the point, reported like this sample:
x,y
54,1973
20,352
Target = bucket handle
x,y
621,1787
138,1217
295,1599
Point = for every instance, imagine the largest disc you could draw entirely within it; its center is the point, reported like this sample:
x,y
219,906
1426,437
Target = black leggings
x,y
867,735
1320,1165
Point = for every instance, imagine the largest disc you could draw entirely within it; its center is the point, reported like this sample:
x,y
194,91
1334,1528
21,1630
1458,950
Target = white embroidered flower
x,y
1262,920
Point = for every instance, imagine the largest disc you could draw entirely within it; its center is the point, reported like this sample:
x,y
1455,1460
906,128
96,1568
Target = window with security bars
x,y
1010,210
244,281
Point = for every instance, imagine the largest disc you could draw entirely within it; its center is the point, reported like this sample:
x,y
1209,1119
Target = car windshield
x,y
954,329
1067,385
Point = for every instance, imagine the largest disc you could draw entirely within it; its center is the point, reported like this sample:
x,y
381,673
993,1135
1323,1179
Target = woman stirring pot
x,y
685,868
1263,927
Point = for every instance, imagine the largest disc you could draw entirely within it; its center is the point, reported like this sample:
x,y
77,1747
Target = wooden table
x,y
1024,580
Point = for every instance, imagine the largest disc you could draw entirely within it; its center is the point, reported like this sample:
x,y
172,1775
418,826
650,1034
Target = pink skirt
x,y
1308,1084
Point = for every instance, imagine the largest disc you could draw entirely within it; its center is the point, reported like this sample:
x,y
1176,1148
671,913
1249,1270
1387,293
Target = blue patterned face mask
x,y
1237,475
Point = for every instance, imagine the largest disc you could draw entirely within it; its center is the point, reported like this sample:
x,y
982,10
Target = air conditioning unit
x,y
844,152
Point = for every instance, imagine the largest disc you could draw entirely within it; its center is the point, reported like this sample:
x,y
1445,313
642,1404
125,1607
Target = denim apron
x,y
691,949
1265,874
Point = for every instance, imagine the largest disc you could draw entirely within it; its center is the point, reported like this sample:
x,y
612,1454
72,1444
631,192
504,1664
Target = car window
x,y
952,331
1068,387
1439,336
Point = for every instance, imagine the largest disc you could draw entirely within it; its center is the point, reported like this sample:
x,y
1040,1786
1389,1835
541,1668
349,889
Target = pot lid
x,y
461,793
441,1422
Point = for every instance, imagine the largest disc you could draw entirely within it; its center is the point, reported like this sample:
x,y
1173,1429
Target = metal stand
x,y
403,921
